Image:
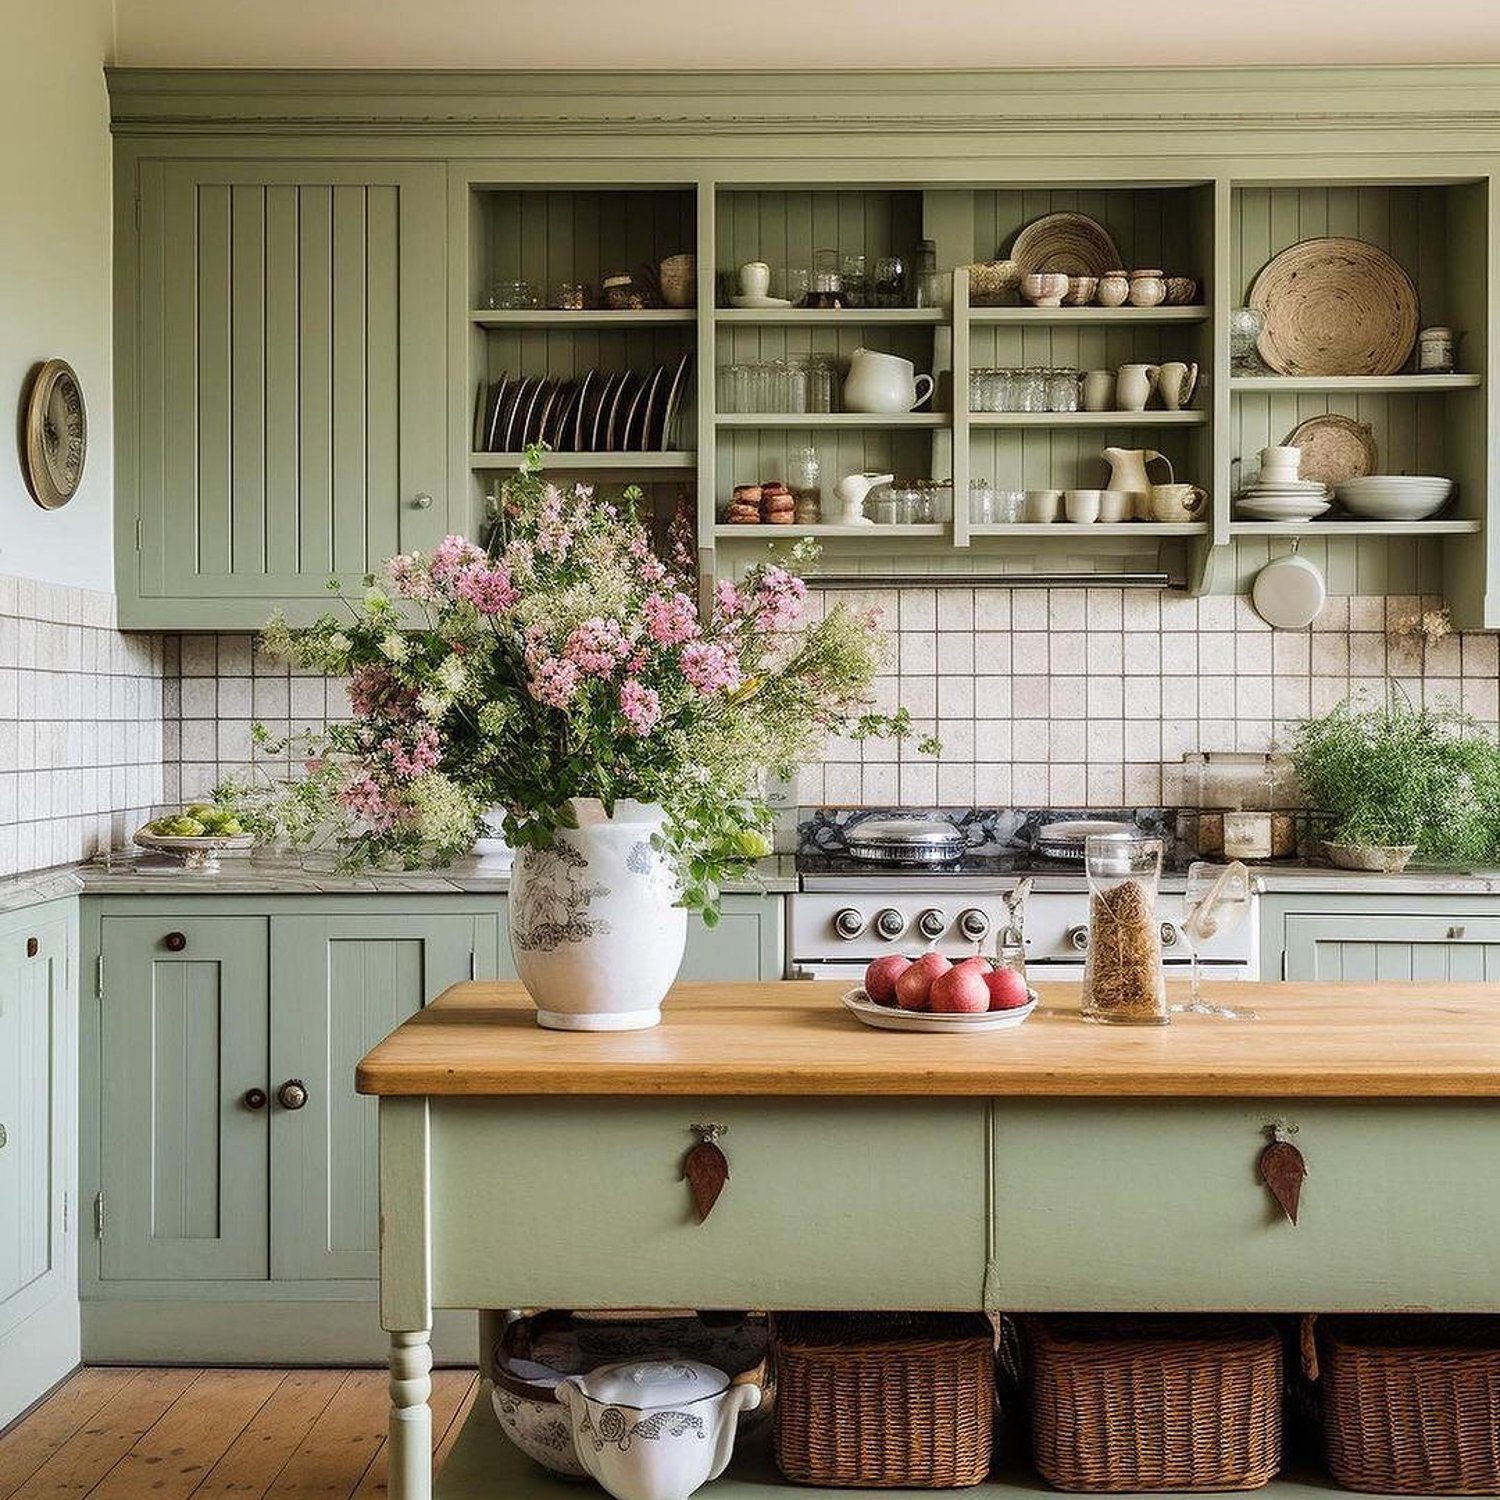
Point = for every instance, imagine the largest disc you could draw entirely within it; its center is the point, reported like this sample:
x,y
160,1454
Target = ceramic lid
x,y
643,1384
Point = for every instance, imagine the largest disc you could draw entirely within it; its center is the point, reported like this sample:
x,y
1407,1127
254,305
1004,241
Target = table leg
x,y
411,1417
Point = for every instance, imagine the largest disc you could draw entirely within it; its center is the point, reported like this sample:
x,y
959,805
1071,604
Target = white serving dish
x,y
892,1018
1252,509
1389,497
200,853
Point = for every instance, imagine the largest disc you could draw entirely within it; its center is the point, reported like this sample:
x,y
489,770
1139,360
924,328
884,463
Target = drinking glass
x,y
795,281
1215,900
978,389
820,382
742,385
1122,976
856,281
1062,390
1010,507
981,502
1033,390
796,385
890,281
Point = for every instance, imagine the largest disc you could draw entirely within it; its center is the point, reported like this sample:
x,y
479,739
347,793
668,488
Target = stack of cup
x,y
1279,465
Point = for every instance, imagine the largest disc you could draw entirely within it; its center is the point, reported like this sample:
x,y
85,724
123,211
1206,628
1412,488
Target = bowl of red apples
x,y
931,993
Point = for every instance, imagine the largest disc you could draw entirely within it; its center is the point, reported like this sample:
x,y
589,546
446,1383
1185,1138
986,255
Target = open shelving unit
x,y
1219,229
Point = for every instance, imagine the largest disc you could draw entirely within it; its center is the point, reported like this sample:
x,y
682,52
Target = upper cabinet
x,y
281,350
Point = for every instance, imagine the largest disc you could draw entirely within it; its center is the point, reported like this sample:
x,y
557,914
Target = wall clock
x,y
55,434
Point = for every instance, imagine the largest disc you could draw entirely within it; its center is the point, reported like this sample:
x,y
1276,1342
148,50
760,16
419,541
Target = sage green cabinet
x,y
281,352
338,985
184,1030
748,943
1362,947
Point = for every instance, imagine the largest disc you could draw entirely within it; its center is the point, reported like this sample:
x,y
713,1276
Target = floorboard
x,y
27,1445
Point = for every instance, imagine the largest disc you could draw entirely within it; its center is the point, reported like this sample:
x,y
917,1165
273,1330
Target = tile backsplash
x,y
81,725
1068,696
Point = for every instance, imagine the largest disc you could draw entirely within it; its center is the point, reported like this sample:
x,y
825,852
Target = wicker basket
x,y
1155,1403
881,1400
1411,1405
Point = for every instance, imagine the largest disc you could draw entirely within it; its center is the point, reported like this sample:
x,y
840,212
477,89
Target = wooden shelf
x,y
819,317
1088,419
1066,315
1354,528
854,419
624,463
829,529
550,317
1146,531
1374,384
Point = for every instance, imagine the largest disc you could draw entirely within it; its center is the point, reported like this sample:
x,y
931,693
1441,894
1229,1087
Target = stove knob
x,y
932,923
973,923
1170,936
890,924
848,923
1078,937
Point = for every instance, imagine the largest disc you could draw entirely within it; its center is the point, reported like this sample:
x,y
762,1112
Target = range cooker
x,y
850,908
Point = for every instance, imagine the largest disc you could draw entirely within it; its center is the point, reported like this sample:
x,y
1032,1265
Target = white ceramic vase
x,y
595,930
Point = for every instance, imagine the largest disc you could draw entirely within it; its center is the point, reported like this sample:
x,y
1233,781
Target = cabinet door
x,y
1372,945
34,1110
341,984
286,405
184,1019
746,944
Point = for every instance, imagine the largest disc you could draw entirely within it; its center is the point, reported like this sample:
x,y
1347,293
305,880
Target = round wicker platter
x,y
1335,307
1069,242
1334,448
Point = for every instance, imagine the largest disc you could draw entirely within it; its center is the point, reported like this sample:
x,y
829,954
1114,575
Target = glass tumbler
x,y
820,383
1062,390
1122,976
890,281
981,502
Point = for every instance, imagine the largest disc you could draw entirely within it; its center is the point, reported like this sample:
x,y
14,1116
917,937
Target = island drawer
x,y
581,1202
1158,1205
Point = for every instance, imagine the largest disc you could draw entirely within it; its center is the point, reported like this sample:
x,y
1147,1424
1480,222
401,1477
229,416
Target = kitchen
x,y
315,319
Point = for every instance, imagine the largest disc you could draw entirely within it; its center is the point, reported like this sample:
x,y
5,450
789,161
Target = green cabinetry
x,y
280,350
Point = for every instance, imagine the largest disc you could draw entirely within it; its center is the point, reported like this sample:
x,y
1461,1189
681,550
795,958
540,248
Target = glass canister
x,y
1122,978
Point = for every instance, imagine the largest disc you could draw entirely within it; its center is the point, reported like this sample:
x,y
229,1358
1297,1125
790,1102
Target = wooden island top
x,y
794,1038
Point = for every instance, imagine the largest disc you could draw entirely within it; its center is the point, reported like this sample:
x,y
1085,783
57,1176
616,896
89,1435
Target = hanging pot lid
x,y
1066,838
906,841
1289,592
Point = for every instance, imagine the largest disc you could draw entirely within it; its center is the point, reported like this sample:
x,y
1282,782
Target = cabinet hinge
x,y
99,977
473,964
137,533
98,1216
65,1212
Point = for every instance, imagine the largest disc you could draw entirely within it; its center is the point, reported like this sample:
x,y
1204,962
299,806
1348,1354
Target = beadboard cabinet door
x,y
339,984
280,367
184,1033
1370,945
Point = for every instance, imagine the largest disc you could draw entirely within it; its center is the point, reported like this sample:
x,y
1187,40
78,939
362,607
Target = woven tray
x,y
1335,307
1075,243
884,1400
1155,1403
1334,448
1411,1405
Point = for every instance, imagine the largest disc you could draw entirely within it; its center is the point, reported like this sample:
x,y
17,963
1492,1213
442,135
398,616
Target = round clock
x,y
56,434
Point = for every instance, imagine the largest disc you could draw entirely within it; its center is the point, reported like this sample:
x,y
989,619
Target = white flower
x,y
376,598
393,646
453,675
340,644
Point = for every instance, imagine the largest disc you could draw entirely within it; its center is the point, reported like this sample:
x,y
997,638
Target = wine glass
x,y
1215,900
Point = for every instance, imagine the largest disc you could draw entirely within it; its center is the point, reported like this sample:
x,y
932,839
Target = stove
x,y
850,909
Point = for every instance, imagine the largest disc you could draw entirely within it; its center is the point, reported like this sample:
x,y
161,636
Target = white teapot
x,y
655,1429
883,383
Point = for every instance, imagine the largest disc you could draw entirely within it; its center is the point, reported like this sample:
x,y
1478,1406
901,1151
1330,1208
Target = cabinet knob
x,y
33,947
174,942
292,1094
4,1137
255,1099
1078,937
421,502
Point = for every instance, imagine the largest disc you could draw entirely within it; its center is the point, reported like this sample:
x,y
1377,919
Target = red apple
x,y
1007,989
881,977
916,981
962,990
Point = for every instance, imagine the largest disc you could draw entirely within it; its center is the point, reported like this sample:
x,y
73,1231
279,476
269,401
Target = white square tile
x,y
1140,609
1067,698
1253,653
1330,655
956,697
1366,654
1179,655
1068,740
1030,697
992,741
993,651
1143,696
1481,655
918,653
918,609
1179,697
1066,609
1106,697
1482,699
1291,652
1142,785
1216,612
992,609
1252,698
955,784
1066,652
955,609
1216,651
1028,609
1367,612
1030,784
992,785
1334,614
843,786
1029,652
1179,612
1143,740
992,697
1105,651
955,652
919,696
1216,697
1030,739
918,783
1067,786
1104,741
234,698
1106,786
1142,653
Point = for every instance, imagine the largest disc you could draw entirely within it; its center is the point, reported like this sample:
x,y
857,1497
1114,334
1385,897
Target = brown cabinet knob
x,y
292,1094
175,942
33,947
255,1099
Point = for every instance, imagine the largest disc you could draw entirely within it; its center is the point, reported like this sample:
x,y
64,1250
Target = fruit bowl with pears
x,y
199,833
931,993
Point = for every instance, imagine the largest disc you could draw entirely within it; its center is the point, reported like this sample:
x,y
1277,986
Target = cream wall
x,y
795,34
55,267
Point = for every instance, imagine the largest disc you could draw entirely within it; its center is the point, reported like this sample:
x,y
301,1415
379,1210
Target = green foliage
x,y
1396,774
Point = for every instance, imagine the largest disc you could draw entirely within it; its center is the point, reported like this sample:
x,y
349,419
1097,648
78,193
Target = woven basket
x,y
876,1401
1411,1405
1155,1403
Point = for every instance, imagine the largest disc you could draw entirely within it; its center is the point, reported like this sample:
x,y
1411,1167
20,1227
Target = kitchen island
x,y
1057,1167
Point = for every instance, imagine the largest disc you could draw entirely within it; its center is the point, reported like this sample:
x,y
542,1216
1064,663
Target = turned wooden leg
x,y
411,1417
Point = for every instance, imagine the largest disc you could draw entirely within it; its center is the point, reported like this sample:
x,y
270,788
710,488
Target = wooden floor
x,y
128,1434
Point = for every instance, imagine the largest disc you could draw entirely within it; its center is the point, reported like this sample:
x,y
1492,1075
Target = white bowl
x,y
1393,498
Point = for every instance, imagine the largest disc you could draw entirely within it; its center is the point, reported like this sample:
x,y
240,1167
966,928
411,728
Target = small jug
x,y
1134,385
1127,471
883,383
1176,503
1177,381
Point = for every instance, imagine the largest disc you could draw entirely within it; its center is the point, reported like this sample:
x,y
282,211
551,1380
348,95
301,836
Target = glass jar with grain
x,y
1122,979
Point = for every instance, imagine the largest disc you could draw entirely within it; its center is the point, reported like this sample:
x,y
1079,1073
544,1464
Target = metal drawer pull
x,y
292,1094
421,502
4,1137
1282,1168
1457,932
33,947
706,1168
255,1099
174,942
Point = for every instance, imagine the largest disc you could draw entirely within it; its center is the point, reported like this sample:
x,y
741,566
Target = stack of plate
x,y
1282,500
1394,497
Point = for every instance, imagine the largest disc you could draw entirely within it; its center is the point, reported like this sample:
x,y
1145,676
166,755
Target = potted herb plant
x,y
567,675
1392,781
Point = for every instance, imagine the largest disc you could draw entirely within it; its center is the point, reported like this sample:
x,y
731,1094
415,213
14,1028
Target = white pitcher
x,y
883,383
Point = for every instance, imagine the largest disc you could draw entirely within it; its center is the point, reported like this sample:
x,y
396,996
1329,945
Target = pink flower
x,y
640,705
728,600
489,589
424,755
671,619
410,577
778,599
597,646
365,798
710,668
375,693
454,554
554,681
648,566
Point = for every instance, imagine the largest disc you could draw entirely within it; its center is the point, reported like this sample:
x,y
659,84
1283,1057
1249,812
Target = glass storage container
x,y
1122,977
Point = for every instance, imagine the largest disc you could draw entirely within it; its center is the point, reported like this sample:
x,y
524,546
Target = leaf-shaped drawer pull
x,y
706,1168
1282,1168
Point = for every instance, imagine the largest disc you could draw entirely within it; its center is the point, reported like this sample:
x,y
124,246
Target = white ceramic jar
x,y
882,383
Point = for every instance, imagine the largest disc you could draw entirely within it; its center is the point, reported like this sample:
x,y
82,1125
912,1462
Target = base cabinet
x,y
1358,937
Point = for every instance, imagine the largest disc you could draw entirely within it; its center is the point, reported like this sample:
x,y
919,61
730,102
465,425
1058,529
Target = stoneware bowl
x,y
1383,859
678,275
1045,288
1080,291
